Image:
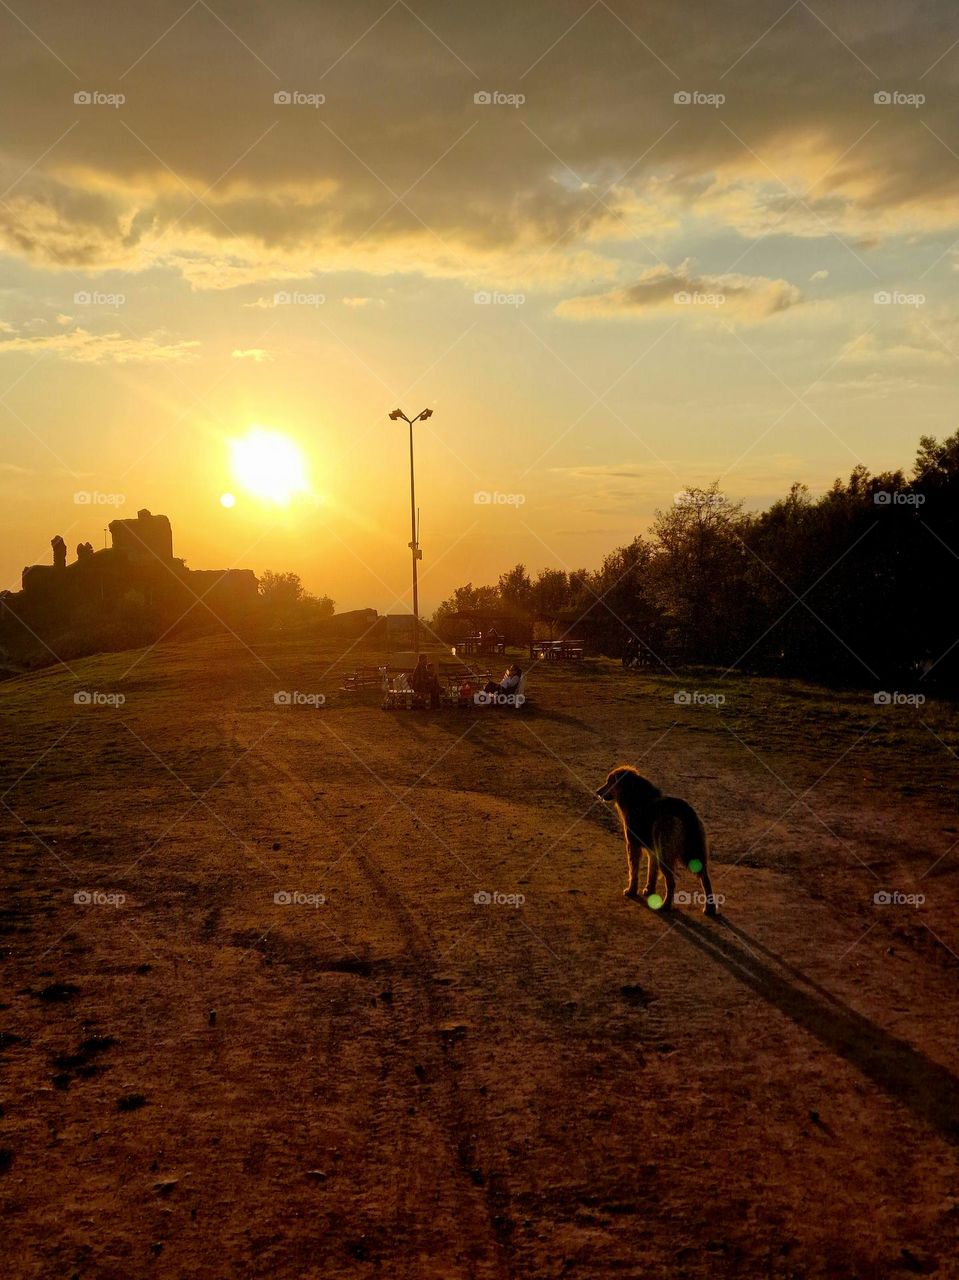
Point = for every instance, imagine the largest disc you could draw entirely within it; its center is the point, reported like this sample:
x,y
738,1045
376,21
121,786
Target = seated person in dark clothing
x,y
423,682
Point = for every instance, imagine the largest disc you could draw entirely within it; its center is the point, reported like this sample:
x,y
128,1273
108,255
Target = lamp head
x,y
427,413
397,413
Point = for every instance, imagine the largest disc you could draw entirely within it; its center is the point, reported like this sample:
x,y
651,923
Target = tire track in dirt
x,y
481,1209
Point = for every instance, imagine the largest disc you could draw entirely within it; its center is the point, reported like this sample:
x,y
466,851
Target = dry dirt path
x,y
403,1081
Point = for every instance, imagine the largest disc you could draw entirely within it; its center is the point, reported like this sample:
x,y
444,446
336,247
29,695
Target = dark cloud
x,y
400,169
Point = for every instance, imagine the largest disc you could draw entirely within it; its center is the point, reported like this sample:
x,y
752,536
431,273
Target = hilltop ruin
x,y
137,577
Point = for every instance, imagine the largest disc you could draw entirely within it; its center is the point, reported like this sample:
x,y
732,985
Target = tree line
x,y
856,586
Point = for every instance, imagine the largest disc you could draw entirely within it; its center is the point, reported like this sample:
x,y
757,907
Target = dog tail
x,y
694,845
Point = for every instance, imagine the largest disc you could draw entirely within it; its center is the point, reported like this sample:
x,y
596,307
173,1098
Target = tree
x,y
515,589
699,565
281,590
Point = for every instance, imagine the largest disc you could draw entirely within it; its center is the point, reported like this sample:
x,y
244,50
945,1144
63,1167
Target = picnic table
x,y
557,650
479,645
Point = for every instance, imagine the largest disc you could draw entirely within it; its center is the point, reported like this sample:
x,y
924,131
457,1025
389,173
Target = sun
x,y
268,465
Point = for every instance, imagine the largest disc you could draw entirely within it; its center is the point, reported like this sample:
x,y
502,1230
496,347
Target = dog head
x,y
624,784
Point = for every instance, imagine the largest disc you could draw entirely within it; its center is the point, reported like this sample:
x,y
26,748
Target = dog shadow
x,y
929,1090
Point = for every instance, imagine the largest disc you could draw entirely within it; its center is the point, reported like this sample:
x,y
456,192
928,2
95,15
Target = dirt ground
x,y
383,1075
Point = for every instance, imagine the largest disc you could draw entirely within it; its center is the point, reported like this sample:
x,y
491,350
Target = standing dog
x,y
665,826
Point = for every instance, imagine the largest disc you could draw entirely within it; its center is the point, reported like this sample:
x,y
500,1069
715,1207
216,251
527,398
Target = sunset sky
x,y
200,259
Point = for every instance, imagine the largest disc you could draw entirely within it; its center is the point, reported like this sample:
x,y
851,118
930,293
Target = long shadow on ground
x,y
906,1074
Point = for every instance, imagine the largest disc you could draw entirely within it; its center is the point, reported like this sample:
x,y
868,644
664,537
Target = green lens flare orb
x,y
654,902
695,866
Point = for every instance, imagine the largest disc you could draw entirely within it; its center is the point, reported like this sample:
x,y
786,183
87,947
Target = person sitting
x,y
425,685
509,683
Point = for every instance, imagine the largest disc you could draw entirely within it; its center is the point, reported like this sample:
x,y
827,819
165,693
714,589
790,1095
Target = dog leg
x,y
710,909
652,871
669,876
632,859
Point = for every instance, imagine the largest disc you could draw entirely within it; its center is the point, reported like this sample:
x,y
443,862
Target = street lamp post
x,y
414,541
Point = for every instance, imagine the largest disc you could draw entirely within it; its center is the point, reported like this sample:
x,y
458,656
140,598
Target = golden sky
x,y
617,248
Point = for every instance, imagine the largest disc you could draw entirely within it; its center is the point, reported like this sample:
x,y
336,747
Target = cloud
x,y
819,275
257,354
907,346
202,172
687,294
79,346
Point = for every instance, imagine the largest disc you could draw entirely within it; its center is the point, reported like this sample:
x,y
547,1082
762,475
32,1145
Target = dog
x,y
666,827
